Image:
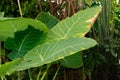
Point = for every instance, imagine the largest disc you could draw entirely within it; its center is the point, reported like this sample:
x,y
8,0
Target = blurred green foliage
x,y
10,7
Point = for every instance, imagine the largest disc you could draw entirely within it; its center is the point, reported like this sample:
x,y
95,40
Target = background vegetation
x,y
99,63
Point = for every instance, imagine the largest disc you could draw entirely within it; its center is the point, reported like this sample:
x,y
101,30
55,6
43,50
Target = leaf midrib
x,y
73,25
64,50
24,39
70,28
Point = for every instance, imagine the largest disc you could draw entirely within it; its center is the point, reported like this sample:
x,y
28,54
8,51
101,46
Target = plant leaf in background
x,y
76,26
47,19
9,26
47,53
6,67
72,61
23,42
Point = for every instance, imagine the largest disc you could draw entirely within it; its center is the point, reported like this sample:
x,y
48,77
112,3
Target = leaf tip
x,y
92,20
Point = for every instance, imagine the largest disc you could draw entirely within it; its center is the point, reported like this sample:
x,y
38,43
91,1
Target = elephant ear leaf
x,y
76,26
5,68
47,53
23,42
72,61
8,26
47,19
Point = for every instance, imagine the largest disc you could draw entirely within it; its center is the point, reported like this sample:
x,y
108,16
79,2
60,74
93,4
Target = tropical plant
x,y
31,44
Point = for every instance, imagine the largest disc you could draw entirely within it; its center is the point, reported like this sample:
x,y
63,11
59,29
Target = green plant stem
x,y
19,75
56,72
3,78
108,4
18,1
113,21
100,32
39,73
29,73
48,66
90,75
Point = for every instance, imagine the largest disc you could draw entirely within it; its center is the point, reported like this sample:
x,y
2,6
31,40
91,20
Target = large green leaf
x,y
5,68
76,26
23,42
9,26
47,19
72,61
47,53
